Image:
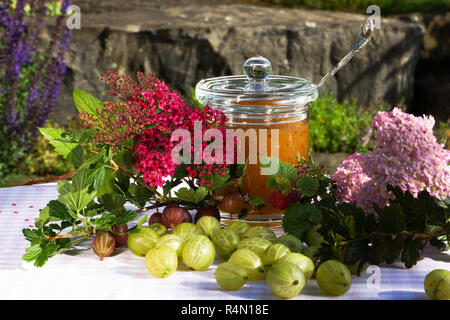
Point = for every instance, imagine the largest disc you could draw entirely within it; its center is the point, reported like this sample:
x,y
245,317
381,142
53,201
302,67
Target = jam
x,y
254,101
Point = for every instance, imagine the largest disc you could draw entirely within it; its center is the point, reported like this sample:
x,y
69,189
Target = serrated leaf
x,y
44,218
314,240
243,214
393,249
185,194
142,220
112,201
256,201
287,171
58,138
191,195
200,194
411,252
391,218
85,102
32,252
126,217
308,186
297,219
32,235
47,251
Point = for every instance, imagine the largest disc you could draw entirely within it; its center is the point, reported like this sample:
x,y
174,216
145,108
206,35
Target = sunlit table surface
x,y
78,273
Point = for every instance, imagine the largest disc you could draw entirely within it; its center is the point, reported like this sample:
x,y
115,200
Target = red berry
x,y
120,240
207,211
173,215
279,200
155,218
232,202
294,196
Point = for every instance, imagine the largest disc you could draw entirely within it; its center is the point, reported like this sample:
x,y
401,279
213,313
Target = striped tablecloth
x,y
78,274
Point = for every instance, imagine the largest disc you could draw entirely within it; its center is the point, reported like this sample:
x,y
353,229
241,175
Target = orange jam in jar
x,y
268,110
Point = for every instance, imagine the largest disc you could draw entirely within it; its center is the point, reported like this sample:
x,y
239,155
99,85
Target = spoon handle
x,y
367,31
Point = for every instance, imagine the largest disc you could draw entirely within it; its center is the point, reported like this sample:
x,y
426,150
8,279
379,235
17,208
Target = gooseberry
x,y
250,261
260,231
142,241
173,215
162,261
231,276
285,280
240,227
198,253
257,244
120,239
233,202
292,242
211,211
274,253
187,230
159,228
173,241
437,284
333,278
225,242
301,261
155,218
103,244
207,224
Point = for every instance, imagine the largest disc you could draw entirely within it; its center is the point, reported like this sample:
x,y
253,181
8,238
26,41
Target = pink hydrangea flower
x,y
407,156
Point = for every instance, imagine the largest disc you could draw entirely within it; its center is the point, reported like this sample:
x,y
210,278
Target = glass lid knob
x,y
257,70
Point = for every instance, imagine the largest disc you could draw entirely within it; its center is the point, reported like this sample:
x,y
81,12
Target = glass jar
x,y
272,107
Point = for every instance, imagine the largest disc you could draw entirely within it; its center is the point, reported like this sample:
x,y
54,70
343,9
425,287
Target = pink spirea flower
x,y
147,114
154,146
407,155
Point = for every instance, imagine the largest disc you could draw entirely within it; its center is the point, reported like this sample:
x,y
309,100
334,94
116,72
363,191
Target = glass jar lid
x,y
257,84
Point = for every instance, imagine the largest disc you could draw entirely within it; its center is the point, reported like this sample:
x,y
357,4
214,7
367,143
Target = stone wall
x,y
184,43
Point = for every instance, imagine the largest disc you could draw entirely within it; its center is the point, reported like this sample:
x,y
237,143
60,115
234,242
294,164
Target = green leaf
x,y
142,220
412,251
32,252
58,138
314,240
113,201
243,214
126,217
186,194
44,218
256,201
393,249
98,177
87,103
200,194
287,171
308,186
76,196
298,219
191,195
220,182
32,235
47,251
391,218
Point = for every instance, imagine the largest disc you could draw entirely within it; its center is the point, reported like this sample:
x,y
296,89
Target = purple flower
x,y
29,80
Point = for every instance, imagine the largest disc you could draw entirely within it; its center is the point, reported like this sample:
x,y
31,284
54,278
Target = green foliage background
x,y
386,6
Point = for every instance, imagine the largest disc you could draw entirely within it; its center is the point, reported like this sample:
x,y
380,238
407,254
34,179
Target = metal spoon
x,y
367,31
